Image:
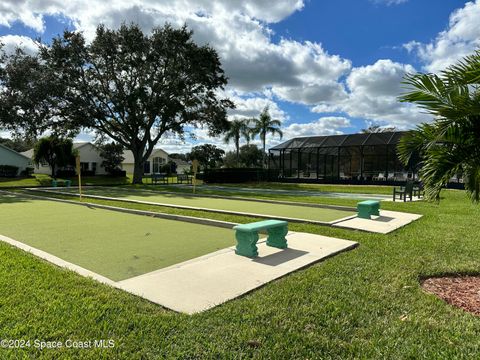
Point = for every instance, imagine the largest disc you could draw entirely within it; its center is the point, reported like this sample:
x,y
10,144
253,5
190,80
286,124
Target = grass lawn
x,y
366,303
365,189
302,212
115,245
46,180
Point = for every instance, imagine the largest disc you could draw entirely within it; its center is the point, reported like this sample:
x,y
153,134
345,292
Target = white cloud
x,y
310,94
11,11
237,29
11,42
389,2
329,125
372,94
461,38
260,70
251,106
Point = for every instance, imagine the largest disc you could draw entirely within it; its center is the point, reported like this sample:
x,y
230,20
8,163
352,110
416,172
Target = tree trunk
x,y
52,166
138,167
264,148
237,146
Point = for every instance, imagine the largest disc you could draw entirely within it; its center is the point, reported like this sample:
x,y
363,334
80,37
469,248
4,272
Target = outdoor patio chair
x,y
418,190
381,176
404,191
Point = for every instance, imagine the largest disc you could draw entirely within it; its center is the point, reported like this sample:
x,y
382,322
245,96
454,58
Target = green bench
x,y
368,208
67,183
247,236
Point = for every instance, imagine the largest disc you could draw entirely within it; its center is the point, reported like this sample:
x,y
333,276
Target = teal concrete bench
x,y
368,208
247,236
67,183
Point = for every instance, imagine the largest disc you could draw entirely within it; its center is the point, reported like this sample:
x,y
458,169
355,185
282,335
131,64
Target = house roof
x,y
13,151
77,145
180,162
384,138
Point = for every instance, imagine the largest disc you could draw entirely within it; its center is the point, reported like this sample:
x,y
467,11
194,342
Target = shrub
x,y
8,171
65,173
27,172
117,173
237,175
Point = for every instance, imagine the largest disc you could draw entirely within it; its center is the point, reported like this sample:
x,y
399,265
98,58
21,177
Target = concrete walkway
x,y
202,283
388,221
210,280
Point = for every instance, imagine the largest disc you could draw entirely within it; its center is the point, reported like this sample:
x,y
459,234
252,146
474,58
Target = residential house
x,y
90,159
13,158
182,166
156,160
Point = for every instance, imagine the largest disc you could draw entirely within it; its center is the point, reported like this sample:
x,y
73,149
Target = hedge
x,y
8,171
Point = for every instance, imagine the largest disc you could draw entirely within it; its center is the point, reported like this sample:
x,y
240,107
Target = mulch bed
x,y
463,292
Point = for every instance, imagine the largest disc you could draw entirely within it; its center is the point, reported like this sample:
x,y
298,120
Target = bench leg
x,y
276,237
246,243
363,213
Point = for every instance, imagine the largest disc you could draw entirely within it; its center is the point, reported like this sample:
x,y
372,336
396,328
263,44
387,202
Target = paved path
x,y
208,281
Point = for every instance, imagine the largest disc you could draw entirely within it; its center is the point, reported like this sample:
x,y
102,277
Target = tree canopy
x,y
250,156
112,155
127,85
238,128
450,145
378,129
208,156
264,125
54,151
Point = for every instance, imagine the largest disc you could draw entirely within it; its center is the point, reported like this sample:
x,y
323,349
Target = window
x,y
146,167
157,163
84,166
94,167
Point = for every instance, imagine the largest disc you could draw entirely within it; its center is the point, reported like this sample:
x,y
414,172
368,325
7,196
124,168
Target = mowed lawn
x,y
261,208
115,245
366,303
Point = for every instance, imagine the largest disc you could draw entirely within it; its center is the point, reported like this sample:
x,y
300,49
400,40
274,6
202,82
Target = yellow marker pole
x,y
195,169
79,172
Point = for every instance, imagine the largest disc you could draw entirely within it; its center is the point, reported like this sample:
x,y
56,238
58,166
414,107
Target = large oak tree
x,y
135,87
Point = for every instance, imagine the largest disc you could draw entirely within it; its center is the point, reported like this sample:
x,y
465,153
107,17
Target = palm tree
x,y
264,125
238,129
451,144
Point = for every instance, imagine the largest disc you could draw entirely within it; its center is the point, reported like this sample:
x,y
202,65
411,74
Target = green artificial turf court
x,y
113,244
234,205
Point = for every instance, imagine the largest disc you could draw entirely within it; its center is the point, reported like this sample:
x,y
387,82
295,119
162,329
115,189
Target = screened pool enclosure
x,y
352,158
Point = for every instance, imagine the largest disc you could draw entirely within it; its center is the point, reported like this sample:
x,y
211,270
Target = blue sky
x,y
323,67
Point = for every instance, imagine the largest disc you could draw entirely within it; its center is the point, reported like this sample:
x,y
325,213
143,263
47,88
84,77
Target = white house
x,y
182,166
13,158
152,166
90,159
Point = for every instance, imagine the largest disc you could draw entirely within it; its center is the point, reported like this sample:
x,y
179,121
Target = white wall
x,y
129,166
12,158
89,153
